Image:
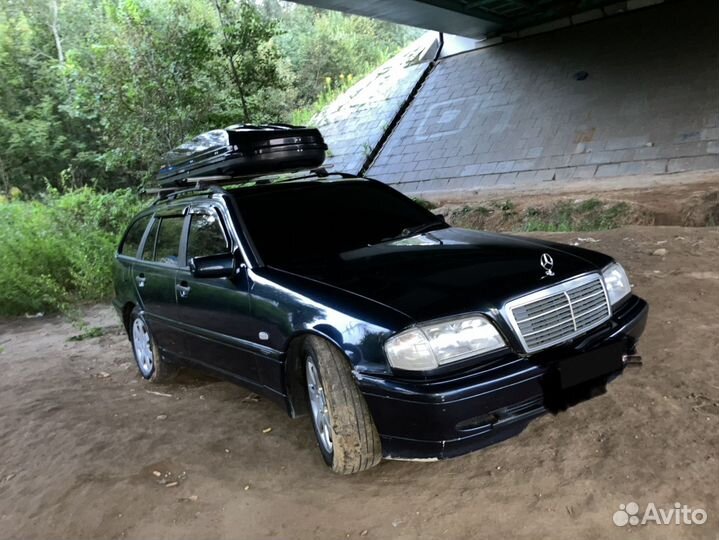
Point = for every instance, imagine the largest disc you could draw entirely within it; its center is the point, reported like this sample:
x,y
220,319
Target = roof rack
x,y
214,184
320,172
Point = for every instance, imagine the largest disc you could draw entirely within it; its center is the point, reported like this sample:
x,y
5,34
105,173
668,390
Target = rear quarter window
x,y
133,237
149,248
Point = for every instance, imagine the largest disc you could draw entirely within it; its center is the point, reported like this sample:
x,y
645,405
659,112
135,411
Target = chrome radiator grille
x,y
556,314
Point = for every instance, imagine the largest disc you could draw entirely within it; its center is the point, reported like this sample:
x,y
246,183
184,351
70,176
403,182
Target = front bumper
x,y
446,418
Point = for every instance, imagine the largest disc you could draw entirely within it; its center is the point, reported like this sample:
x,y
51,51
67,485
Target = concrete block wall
x,y
515,113
353,124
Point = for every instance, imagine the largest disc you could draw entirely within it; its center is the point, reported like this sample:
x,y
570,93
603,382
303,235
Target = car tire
x,y
345,432
147,354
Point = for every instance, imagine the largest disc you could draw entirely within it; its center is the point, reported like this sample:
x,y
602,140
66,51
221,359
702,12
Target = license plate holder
x,y
590,365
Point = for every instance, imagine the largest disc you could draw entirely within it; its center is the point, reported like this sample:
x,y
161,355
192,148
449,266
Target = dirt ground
x,y
82,437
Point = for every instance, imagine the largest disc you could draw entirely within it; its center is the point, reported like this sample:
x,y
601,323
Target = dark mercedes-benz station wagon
x,y
401,337
338,297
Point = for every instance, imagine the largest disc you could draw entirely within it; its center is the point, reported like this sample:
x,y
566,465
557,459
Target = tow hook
x,y
632,360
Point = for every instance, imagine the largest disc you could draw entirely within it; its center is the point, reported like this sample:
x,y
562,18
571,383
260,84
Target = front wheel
x,y
346,434
147,355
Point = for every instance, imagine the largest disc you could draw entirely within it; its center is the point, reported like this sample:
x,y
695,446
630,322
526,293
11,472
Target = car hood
x,y
452,270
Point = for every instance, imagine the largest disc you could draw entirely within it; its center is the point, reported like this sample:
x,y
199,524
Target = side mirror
x,y
213,266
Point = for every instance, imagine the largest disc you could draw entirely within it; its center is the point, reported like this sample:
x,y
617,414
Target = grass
x,y
334,88
303,115
508,208
93,332
562,216
475,212
429,205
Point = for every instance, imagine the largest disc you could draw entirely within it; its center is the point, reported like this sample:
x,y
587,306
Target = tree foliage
x,y
57,249
319,44
94,92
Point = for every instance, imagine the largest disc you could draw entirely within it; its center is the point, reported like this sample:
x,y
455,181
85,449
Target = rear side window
x,y
133,237
167,245
149,249
206,236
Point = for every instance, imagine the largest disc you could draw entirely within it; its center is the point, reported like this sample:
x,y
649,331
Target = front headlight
x,y
441,342
617,282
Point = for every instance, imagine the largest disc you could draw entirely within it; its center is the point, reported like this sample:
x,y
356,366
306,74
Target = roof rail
x,y
168,194
320,172
214,184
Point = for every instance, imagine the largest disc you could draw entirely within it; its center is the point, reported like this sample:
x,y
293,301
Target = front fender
x,y
291,306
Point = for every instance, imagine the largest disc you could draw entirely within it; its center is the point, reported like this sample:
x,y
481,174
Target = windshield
x,y
295,223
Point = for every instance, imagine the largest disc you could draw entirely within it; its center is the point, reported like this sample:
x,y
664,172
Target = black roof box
x,y
243,151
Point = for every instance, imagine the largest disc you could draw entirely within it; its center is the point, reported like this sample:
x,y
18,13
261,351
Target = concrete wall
x,y
513,113
353,124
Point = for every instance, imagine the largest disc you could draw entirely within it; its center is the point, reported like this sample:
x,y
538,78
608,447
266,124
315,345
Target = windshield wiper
x,y
407,232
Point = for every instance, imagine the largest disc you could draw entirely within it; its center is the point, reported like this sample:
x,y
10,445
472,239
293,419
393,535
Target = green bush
x,y
58,249
590,215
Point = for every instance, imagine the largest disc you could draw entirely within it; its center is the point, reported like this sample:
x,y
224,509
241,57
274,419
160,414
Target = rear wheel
x,y
346,434
147,355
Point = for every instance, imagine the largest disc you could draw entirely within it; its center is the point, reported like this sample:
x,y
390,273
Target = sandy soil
x,y
81,436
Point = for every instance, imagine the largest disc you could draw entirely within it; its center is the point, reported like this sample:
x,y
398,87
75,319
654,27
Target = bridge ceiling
x,y
471,18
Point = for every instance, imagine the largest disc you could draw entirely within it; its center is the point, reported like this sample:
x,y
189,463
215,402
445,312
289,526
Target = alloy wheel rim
x,y
143,347
318,404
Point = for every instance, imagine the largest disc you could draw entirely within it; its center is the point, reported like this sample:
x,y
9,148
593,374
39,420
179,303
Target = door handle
x,y
183,288
140,279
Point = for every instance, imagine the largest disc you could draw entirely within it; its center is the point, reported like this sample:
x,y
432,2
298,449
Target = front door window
x,y
206,236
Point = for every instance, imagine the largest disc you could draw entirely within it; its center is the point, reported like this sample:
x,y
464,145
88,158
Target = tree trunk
x,y
4,179
55,28
240,90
